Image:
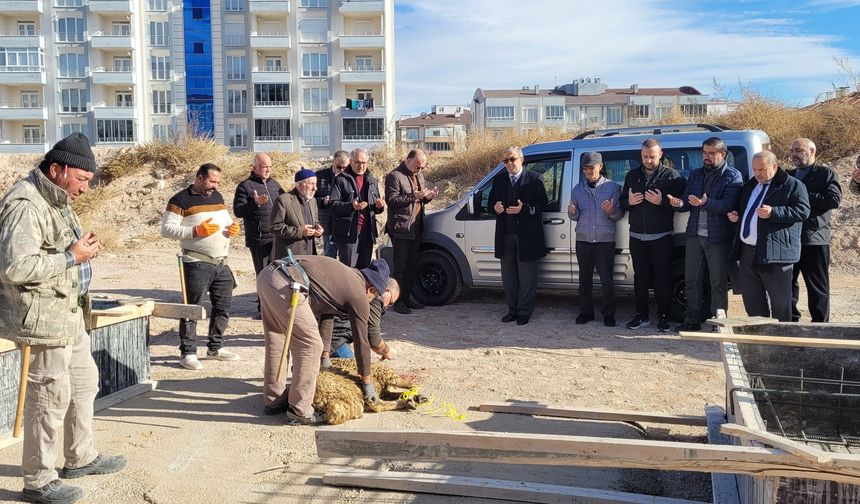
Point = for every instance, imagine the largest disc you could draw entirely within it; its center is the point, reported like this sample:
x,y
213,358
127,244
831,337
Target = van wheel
x,y
679,293
437,278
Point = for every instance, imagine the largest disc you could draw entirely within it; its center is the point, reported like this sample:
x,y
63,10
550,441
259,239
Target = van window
x,y
550,166
618,163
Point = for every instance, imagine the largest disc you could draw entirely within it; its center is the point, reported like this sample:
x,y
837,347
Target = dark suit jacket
x,y
825,194
286,226
401,203
345,217
528,224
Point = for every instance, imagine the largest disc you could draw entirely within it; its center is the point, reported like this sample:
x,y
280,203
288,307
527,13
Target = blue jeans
x,y
343,352
329,247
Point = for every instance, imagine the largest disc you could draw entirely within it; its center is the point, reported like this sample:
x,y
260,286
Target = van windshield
x,y
618,163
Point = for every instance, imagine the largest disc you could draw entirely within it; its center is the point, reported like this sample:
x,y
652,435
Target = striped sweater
x,y
187,209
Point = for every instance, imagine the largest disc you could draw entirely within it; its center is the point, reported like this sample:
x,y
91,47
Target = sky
x,y
786,50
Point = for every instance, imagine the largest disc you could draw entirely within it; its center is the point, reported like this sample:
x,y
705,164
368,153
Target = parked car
x,y
458,245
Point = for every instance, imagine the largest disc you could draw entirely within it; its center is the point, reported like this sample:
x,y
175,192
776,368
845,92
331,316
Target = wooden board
x,y
518,491
724,487
535,449
124,395
741,321
593,413
757,339
798,449
179,311
7,346
117,314
10,441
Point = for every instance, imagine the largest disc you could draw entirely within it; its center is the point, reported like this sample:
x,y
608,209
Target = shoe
x,y
686,326
101,465
510,317
222,354
257,316
292,418
609,320
55,492
584,318
663,325
276,408
638,322
401,308
523,320
414,304
190,362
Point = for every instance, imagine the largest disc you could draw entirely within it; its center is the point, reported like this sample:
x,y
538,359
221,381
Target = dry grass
x,y
89,204
178,157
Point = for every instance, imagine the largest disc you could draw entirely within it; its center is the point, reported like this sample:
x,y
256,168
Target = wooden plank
x,y
758,339
7,346
593,413
741,321
535,449
117,314
518,491
724,487
10,441
179,311
798,449
124,395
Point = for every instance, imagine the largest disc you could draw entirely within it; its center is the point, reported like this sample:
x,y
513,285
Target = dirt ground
x,y
201,436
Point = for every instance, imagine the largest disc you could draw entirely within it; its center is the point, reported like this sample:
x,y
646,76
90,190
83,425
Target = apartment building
x,y
292,75
584,103
441,132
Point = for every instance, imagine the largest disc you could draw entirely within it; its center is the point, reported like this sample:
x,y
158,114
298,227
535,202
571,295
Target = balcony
x,y
269,144
274,76
366,74
270,40
16,111
273,110
99,40
366,40
18,146
314,37
269,7
111,6
17,40
102,111
22,75
378,111
368,143
21,6
102,75
360,7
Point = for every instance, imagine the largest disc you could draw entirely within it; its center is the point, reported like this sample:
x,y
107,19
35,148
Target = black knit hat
x,y
75,151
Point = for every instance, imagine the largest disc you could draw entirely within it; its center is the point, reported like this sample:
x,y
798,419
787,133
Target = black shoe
x,y
663,325
293,418
414,304
686,326
101,465
55,492
609,320
401,308
510,317
638,322
523,320
584,318
276,408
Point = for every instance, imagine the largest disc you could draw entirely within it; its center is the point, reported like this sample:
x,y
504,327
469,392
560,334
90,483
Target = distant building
x,y
584,103
441,132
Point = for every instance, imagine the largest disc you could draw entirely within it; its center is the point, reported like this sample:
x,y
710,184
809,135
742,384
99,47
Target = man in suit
x,y
825,194
355,203
407,194
295,219
518,198
773,206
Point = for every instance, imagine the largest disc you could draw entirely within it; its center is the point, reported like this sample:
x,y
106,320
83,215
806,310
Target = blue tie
x,y
513,180
756,204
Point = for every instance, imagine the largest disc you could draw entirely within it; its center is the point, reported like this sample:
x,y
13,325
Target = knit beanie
x,y
75,151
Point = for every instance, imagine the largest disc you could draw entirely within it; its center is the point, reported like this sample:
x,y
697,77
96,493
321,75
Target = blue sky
x,y
445,49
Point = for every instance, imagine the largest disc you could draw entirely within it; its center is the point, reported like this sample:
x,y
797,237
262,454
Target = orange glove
x,y
206,228
233,229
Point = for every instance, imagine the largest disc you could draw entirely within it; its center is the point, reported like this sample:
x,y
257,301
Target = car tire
x,y
438,280
679,293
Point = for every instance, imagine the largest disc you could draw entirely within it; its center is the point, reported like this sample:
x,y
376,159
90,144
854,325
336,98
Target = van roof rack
x,y
653,130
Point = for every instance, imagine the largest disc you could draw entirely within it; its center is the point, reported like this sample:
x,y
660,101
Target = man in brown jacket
x,y
406,194
295,219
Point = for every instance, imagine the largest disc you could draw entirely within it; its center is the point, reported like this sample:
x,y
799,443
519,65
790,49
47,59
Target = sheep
x,y
339,396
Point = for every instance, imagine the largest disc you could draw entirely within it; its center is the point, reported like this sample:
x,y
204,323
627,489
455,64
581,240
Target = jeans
x,y
200,278
602,256
329,246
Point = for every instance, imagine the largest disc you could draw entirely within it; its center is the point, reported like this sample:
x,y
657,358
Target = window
x,y
234,5
122,64
73,100
411,134
364,63
500,113
124,99
30,99
72,65
161,132
158,5
70,128
162,102
572,115
554,113
274,64
613,115
313,30
237,135
364,94
234,34
160,67
314,3
551,166
21,59
237,101
158,33
272,94
315,134
530,115
120,29
663,111
439,146
236,68
115,130
69,3
70,30
273,130
433,132
618,163
639,111
694,110
315,99
364,129
315,65
26,28
33,134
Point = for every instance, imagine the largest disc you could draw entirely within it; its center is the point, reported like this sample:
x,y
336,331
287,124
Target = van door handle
x,y
554,222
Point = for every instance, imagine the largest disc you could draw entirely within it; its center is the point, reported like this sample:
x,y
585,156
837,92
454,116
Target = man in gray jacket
x,y
595,206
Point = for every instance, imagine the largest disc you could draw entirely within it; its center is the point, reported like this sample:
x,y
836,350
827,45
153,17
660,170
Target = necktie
x,y
756,204
513,180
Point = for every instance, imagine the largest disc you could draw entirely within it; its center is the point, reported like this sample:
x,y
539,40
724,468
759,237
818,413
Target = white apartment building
x,y
441,132
585,103
292,75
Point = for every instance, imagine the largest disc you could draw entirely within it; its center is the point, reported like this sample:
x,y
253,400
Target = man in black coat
x,y
825,193
773,206
325,182
518,198
355,203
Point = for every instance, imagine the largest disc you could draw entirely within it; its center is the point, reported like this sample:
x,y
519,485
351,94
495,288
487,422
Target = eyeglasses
x,y
510,159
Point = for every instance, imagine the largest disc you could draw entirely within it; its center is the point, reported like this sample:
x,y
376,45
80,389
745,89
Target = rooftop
x,y
437,120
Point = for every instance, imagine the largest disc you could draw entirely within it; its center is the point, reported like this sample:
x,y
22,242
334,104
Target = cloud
x,y
452,48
